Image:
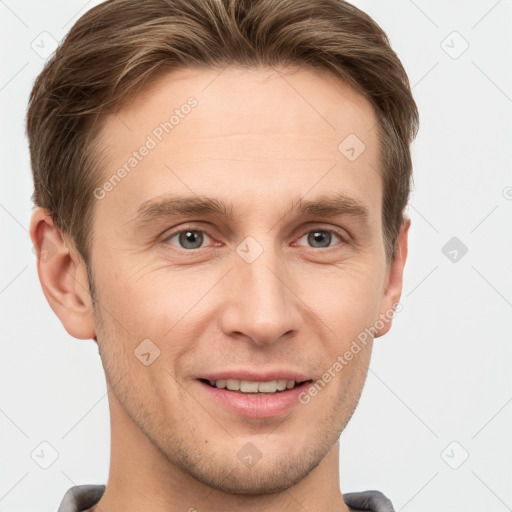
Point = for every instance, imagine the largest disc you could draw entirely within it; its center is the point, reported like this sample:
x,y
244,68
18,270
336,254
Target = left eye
x,y
189,239
319,238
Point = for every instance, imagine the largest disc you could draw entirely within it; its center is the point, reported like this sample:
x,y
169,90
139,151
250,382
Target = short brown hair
x,y
115,47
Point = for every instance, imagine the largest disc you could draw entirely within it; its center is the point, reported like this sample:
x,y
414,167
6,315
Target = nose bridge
x,y
261,306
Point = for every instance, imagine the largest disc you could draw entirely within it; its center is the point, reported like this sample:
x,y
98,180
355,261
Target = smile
x,y
265,398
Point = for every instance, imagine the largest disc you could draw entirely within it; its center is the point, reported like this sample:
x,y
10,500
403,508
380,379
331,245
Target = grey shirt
x,y
81,497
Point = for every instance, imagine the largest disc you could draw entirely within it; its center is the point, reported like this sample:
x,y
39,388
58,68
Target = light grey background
x,y
439,387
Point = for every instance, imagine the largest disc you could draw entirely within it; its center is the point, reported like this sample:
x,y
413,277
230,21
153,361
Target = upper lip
x,y
255,376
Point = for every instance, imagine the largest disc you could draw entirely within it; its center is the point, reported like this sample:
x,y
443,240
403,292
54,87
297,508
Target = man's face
x,y
270,292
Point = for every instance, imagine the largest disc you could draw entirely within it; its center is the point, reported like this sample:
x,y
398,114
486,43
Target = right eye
x,y
187,239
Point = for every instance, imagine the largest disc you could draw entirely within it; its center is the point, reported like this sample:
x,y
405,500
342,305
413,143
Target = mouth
x,y
254,398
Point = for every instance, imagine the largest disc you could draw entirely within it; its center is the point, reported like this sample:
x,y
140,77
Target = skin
x,y
253,140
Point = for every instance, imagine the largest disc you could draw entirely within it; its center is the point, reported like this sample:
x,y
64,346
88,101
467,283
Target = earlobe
x,y
63,276
395,273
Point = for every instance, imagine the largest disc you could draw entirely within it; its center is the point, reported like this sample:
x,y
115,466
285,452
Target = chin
x,y
278,468
265,478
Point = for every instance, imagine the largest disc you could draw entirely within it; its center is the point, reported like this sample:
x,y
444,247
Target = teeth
x,y
246,386
267,387
281,384
233,385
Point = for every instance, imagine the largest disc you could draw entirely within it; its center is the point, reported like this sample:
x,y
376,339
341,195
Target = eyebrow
x,y
328,205
332,206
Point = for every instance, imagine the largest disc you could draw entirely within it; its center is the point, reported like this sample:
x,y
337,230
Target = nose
x,y
260,304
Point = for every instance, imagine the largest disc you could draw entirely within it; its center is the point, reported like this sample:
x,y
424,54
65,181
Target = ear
x,y
394,280
63,276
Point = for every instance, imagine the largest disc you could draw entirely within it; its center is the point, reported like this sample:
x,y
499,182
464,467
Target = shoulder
x,y
81,497
374,501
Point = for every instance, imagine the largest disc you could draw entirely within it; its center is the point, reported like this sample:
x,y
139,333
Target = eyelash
x,y
343,239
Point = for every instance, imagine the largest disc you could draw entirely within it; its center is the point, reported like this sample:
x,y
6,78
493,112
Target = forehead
x,y
249,101
283,132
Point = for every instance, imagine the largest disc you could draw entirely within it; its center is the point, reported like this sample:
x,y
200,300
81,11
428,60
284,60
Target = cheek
x,y
151,310
345,298
146,300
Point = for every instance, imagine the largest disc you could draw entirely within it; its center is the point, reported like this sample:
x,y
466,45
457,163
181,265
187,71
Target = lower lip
x,y
253,405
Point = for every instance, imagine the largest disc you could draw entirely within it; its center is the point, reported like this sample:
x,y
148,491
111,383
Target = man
x,y
220,188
